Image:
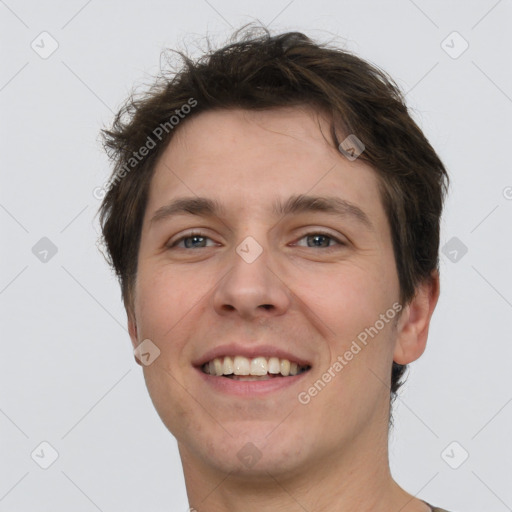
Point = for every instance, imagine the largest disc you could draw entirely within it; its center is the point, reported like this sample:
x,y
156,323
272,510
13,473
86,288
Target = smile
x,y
249,369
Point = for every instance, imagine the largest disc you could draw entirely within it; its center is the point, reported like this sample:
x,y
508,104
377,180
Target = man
x,y
273,217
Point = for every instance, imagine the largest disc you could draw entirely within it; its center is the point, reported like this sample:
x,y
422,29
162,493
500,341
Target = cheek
x,y
170,398
354,384
347,298
164,292
349,303
165,301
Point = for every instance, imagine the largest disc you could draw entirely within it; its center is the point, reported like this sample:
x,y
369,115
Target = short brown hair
x,y
259,71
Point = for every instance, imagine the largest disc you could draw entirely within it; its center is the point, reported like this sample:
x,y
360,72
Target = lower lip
x,y
248,388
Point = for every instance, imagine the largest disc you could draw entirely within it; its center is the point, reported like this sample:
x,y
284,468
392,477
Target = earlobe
x,y
414,322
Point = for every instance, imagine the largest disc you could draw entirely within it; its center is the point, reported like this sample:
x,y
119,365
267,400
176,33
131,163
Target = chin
x,y
255,452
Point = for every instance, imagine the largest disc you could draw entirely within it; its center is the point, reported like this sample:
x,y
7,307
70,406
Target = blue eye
x,y
319,236
197,240
194,237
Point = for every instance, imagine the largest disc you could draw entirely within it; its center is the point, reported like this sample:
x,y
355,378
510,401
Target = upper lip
x,y
249,352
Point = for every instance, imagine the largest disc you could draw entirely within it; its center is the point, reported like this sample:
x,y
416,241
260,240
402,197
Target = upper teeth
x,y
240,365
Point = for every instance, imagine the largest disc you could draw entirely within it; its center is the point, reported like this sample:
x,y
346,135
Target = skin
x,y
332,453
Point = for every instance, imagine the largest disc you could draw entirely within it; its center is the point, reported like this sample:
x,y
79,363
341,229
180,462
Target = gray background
x,y
68,376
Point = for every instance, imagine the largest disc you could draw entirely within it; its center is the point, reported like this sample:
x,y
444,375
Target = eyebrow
x,y
297,204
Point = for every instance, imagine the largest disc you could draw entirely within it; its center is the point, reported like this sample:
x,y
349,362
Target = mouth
x,y
258,368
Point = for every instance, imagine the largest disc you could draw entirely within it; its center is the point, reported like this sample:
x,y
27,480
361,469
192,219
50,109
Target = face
x,y
298,283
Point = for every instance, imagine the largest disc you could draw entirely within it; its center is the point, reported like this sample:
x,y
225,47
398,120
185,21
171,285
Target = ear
x,y
414,322
132,330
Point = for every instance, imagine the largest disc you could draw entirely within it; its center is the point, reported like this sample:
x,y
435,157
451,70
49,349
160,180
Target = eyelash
x,y
203,235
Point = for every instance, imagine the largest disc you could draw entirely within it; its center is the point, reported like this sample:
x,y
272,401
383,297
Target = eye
x,y
197,240
320,239
194,240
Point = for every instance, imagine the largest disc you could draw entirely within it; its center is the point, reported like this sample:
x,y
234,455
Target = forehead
x,y
248,160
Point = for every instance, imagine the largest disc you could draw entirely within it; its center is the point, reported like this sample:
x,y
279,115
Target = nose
x,y
251,289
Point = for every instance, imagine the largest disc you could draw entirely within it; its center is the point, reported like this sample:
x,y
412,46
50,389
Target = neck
x,y
347,480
